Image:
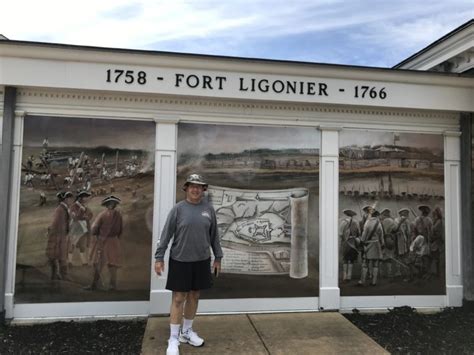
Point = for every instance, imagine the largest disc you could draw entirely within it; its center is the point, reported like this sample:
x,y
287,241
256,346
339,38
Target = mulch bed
x,y
402,330
97,337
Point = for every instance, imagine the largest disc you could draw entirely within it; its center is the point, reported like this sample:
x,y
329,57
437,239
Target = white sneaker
x,y
190,337
173,347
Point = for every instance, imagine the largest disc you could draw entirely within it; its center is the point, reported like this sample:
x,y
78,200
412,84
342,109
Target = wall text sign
x,y
245,84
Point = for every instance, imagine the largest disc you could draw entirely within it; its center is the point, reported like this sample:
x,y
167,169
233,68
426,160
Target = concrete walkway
x,y
282,333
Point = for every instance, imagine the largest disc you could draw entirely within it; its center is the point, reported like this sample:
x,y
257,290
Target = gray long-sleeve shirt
x,y
194,228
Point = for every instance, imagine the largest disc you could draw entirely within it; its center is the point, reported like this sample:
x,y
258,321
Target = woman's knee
x,y
194,294
179,298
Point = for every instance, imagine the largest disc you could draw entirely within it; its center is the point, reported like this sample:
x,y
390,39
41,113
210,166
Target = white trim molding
x,y
39,311
448,50
384,302
452,185
14,213
165,199
93,104
240,305
329,292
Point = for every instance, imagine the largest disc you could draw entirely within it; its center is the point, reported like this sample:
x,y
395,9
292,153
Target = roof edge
x,y
146,52
435,43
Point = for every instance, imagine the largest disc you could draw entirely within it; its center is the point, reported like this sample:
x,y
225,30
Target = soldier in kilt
x,y
349,234
372,239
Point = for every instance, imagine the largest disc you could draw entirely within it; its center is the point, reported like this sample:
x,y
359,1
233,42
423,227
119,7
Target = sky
x,y
379,33
204,138
88,132
434,142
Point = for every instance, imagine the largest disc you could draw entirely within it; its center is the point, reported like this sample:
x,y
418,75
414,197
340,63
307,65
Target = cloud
x,y
370,32
205,138
124,12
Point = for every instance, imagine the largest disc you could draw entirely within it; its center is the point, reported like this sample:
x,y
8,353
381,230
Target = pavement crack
x,y
258,333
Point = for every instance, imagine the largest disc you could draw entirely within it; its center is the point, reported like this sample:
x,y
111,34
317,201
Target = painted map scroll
x,y
263,232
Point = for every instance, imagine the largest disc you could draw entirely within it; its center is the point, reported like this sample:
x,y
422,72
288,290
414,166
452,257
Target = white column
x,y
165,198
452,195
1,123
329,293
14,212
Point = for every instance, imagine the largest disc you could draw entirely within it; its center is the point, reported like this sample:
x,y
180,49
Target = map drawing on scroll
x,y
263,232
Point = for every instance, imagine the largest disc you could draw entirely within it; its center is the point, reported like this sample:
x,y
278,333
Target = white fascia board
x,y
215,63
86,69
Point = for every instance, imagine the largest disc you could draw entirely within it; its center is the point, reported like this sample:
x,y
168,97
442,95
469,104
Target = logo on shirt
x,y
206,214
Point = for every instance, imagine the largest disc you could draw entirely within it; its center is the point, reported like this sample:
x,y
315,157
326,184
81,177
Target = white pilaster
x,y
452,194
165,198
329,293
1,123
14,213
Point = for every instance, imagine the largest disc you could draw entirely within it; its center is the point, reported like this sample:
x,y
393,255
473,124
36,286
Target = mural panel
x,y
391,226
86,202
264,185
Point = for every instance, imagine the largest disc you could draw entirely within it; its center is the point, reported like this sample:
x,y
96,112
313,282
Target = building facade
x,y
293,152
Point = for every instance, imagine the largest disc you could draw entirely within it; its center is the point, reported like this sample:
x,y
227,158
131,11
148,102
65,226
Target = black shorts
x,y
187,276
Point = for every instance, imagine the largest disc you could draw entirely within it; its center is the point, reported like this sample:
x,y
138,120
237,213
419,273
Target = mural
x,y
264,187
86,202
391,226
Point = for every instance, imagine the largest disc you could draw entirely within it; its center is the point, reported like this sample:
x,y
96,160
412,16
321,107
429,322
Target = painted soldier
x,y
349,234
106,250
29,179
437,241
58,240
419,256
389,227
81,217
403,234
423,225
42,199
365,215
372,239
29,162
45,145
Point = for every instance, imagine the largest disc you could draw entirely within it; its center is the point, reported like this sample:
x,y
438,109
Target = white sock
x,y
174,331
187,324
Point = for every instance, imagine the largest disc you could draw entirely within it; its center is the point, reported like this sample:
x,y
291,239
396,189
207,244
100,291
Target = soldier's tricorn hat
x,y
83,193
60,195
349,213
386,212
437,209
375,213
195,179
403,210
67,194
424,207
366,208
110,198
